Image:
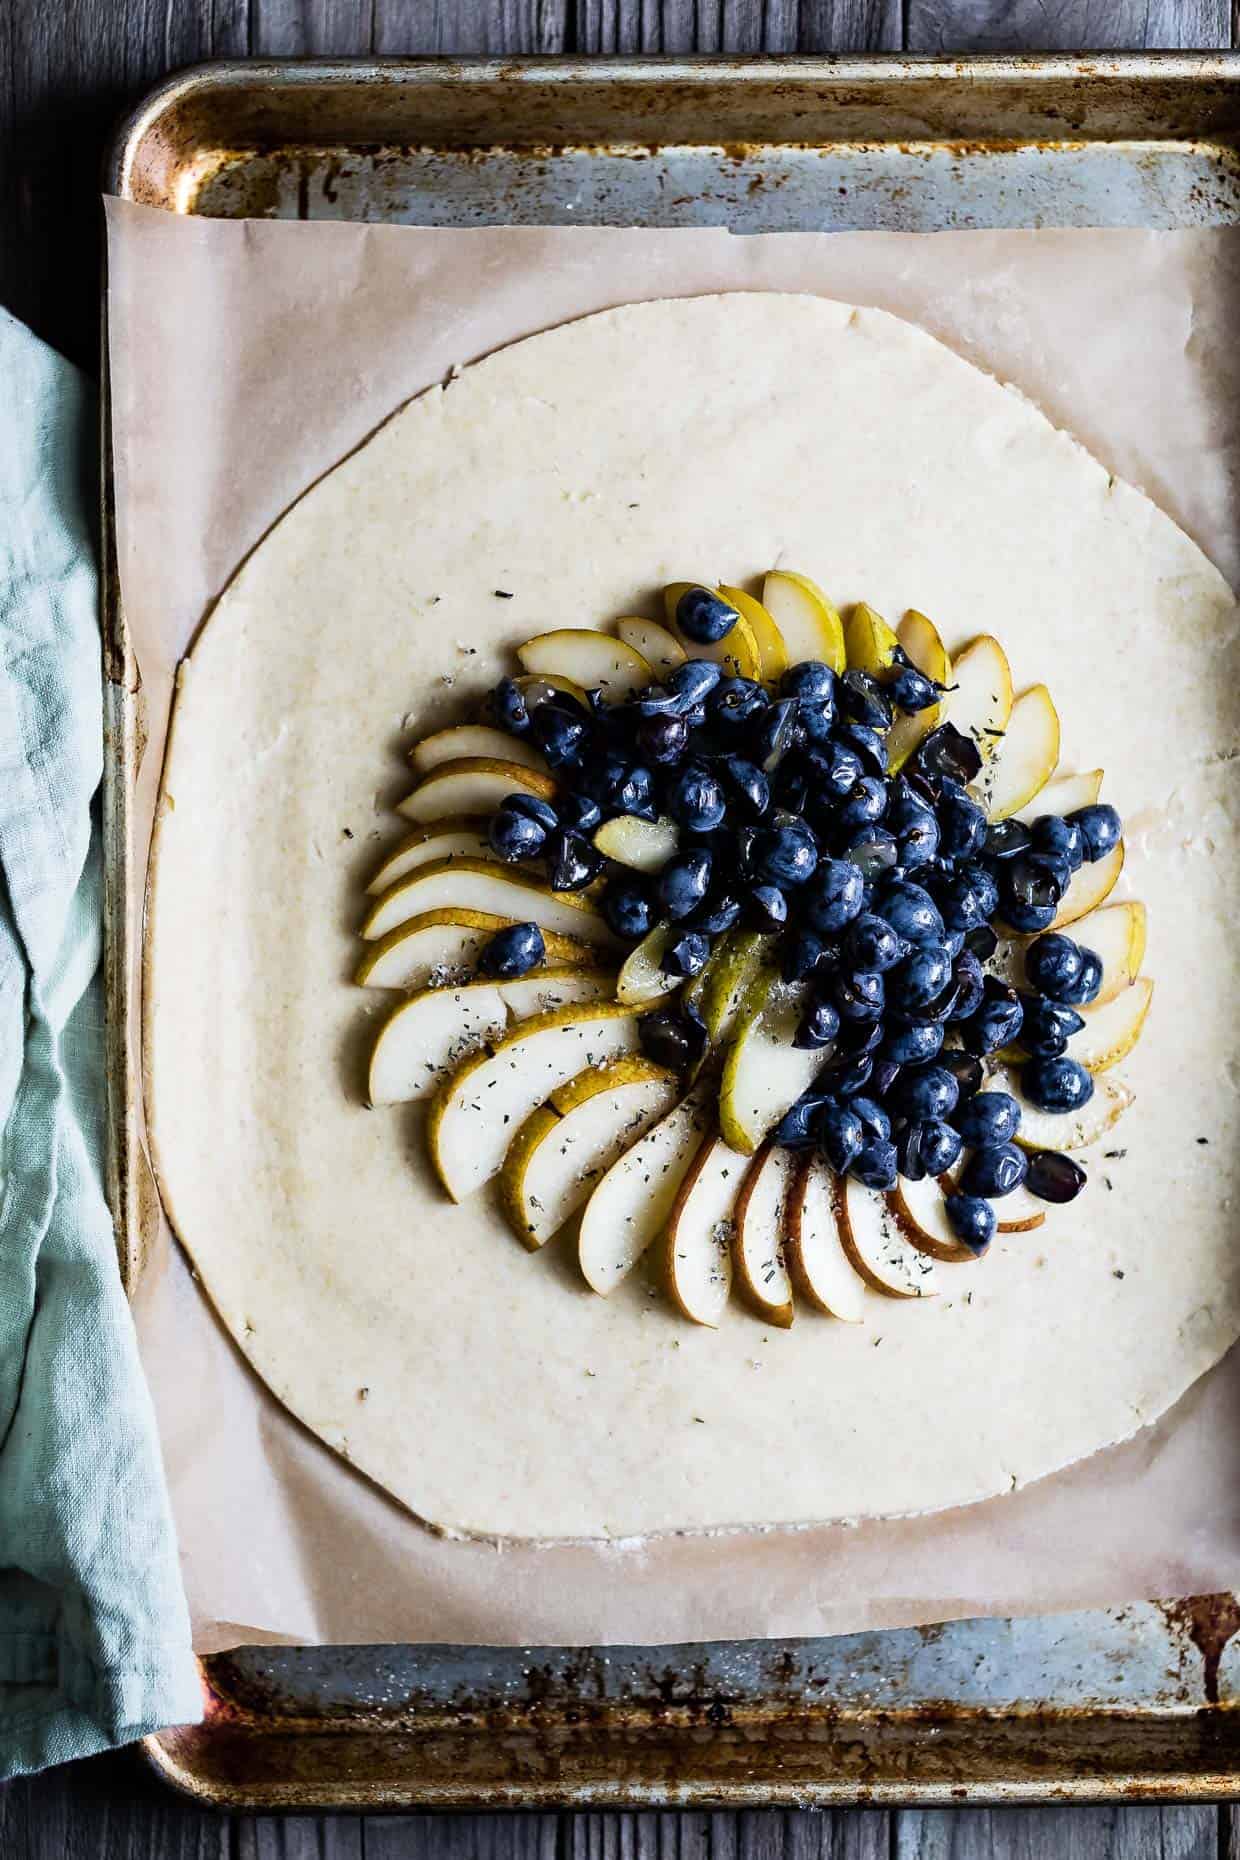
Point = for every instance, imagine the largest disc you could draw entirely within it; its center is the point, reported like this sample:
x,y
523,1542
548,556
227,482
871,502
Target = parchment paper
x,y
247,358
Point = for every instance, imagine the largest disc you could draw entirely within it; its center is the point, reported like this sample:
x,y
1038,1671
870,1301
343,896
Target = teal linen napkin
x,y
94,1631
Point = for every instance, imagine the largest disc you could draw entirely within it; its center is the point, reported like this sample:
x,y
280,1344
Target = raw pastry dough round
x,y
580,470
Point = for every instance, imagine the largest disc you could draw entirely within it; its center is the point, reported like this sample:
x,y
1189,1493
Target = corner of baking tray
x,y
210,79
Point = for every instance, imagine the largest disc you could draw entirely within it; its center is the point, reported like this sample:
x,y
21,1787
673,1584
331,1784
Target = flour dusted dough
x,y
487,1388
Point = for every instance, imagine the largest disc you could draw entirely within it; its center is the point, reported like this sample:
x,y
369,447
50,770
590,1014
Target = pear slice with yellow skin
x,y
758,1236
642,976
808,623
467,742
629,1208
441,949
869,642
698,1243
1066,794
878,1247
568,1144
483,885
1112,1028
772,648
464,837
644,845
737,651
981,702
920,639
425,1038
477,1112
1116,934
1091,886
1065,1130
1026,756
544,687
594,660
662,650
474,785
729,974
764,1073
818,1266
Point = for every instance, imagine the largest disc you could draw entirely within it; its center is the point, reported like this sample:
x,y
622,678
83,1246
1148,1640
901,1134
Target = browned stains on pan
x,y
1209,1621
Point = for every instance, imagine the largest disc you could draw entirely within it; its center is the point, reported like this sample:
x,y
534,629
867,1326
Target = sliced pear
x,y
462,838
758,1239
920,640
1020,1212
642,976
1025,758
772,648
737,651
819,1267
661,649
630,1207
480,885
441,949
474,785
1065,1130
1091,886
467,742
868,640
1116,934
425,1038
981,703
646,845
544,687
477,1112
808,623
878,1247
1112,1028
1065,795
764,1073
698,1256
594,660
728,977
566,1145
920,1210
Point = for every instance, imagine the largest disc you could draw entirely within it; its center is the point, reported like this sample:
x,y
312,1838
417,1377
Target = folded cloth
x,y
94,1631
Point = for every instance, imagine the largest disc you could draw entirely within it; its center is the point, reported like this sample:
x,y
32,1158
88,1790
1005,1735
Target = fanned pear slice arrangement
x,y
680,919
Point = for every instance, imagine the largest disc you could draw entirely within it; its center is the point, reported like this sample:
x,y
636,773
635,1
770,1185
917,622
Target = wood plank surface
x,y
67,69
1066,25
669,26
1058,1834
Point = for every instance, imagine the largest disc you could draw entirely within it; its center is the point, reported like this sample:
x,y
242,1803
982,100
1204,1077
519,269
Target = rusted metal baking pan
x,y
1132,1702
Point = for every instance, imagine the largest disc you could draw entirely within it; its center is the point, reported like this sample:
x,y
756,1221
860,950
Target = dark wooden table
x,y
67,69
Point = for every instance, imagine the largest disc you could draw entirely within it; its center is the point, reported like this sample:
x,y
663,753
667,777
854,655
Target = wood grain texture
x,y
299,1837
750,1835
313,28
466,26
851,26
461,1837
108,1809
1064,1833
681,26
1066,25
